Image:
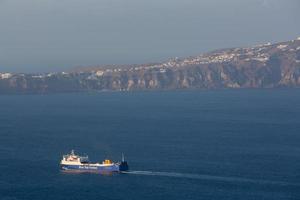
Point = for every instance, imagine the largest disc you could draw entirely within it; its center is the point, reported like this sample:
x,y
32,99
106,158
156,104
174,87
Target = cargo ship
x,y
75,163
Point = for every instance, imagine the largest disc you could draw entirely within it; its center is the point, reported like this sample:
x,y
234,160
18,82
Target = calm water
x,y
180,145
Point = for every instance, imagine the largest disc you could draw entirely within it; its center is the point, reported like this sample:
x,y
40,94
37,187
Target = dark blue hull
x,y
94,168
112,168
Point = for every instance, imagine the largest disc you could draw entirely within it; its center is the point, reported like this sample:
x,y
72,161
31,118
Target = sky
x,y
56,35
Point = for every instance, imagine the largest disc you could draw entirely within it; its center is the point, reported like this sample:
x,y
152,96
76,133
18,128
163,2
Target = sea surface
x,y
222,144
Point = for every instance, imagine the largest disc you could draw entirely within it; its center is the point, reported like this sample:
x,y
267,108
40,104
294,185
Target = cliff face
x,y
263,66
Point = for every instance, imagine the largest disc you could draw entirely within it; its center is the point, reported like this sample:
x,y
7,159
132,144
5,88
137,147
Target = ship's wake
x,y
212,178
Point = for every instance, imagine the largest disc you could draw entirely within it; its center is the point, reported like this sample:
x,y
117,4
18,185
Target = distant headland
x,y
262,66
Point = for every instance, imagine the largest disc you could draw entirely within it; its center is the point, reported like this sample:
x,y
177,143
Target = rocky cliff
x,y
262,66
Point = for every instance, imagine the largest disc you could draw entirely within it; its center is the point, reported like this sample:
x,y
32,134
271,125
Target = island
x,y
261,66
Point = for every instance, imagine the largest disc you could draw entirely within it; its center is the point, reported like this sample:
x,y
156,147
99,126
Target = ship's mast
x,y
123,159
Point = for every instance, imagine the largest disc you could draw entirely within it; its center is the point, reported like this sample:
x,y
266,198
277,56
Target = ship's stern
x,y
123,166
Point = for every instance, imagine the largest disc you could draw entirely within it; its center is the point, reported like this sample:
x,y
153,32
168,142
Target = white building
x,y
99,73
282,46
5,75
38,76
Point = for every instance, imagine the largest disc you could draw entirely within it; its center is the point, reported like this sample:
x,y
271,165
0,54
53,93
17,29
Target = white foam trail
x,y
211,178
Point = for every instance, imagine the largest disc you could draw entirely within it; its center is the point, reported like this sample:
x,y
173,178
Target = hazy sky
x,y
51,35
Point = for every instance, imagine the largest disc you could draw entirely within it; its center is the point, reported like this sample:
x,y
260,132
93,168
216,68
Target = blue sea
x,y
221,144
